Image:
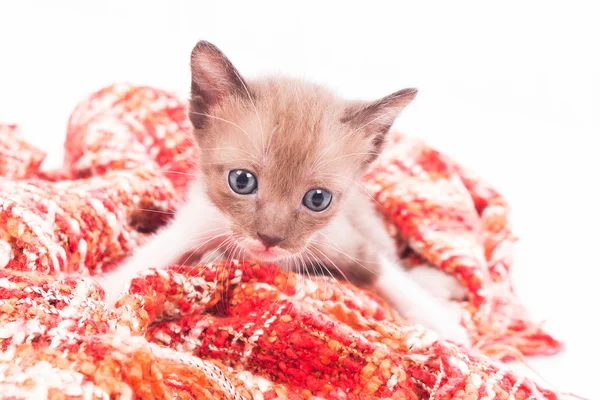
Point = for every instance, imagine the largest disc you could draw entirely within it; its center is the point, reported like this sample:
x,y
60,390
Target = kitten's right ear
x,y
213,78
374,120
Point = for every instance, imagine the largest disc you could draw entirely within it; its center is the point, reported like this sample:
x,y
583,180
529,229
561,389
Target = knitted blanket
x,y
235,330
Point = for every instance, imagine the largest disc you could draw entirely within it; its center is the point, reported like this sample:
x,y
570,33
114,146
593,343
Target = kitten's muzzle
x,y
269,241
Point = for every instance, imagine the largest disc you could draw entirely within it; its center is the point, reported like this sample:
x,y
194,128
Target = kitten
x,y
280,161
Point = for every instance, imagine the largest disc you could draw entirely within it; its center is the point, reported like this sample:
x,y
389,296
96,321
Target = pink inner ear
x,y
213,78
382,112
374,119
213,75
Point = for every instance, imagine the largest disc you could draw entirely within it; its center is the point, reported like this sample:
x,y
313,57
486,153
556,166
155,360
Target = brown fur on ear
x,y
213,78
375,119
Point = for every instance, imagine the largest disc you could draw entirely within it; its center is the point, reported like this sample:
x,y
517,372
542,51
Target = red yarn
x,y
235,330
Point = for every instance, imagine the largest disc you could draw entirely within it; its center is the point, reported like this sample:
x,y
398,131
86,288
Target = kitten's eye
x,y
242,181
317,199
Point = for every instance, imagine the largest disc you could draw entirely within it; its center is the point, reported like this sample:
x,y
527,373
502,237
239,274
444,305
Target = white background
x,y
510,90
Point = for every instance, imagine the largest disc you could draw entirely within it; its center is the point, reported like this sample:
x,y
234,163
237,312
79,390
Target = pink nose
x,y
269,241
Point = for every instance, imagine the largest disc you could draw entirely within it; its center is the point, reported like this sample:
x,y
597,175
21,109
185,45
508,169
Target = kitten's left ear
x,y
374,120
213,78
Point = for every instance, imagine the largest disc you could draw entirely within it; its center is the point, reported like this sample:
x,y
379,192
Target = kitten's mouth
x,y
268,254
258,251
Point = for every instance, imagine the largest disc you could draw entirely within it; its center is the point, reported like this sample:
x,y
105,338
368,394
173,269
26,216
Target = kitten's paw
x,y
443,317
447,329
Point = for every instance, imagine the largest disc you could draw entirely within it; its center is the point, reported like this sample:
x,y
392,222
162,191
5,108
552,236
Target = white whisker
x,y
198,247
157,211
228,122
322,153
344,156
262,131
360,185
178,172
230,148
324,265
357,261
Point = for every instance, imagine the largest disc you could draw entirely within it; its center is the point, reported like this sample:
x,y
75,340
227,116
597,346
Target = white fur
x,y
441,285
422,294
195,222
418,304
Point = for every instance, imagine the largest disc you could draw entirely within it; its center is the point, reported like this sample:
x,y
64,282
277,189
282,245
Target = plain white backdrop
x,y
510,89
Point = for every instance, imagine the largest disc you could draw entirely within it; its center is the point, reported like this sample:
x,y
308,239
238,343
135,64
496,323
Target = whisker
x,y
204,265
245,160
157,211
304,267
314,268
227,285
229,266
177,172
300,272
332,263
287,270
202,235
227,242
193,248
198,247
238,252
371,153
230,148
322,153
318,292
360,185
229,122
322,265
357,261
213,254
240,255
366,194
262,131
270,140
288,273
333,246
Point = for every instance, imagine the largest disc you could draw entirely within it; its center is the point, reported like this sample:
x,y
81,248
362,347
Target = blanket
x,y
236,330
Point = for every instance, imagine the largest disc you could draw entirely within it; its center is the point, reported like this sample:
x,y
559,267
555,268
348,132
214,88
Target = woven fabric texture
x,y
236,330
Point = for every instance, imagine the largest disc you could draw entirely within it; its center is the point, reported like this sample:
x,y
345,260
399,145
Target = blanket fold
x,y
236,330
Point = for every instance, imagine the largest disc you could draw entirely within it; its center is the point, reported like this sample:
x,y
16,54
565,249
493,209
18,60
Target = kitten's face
x,y
278,155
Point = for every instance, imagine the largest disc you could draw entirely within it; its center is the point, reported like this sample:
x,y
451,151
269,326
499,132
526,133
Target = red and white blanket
x,y
235,330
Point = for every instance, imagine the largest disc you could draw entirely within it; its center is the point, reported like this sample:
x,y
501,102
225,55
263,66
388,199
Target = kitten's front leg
x,y
193,227
423,294
440,284
418,304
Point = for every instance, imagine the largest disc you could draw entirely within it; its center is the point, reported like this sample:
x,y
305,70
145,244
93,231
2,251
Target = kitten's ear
x,y
213,78
374,120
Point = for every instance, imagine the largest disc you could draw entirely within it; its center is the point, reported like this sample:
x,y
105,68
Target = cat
x,y
278,182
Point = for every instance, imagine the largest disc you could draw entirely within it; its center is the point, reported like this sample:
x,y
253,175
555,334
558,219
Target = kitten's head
x,y
279,155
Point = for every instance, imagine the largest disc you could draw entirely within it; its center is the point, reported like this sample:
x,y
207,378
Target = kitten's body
x,y
291,137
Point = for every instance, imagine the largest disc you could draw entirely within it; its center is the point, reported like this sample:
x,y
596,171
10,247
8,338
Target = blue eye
x,y
317,199
242,181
